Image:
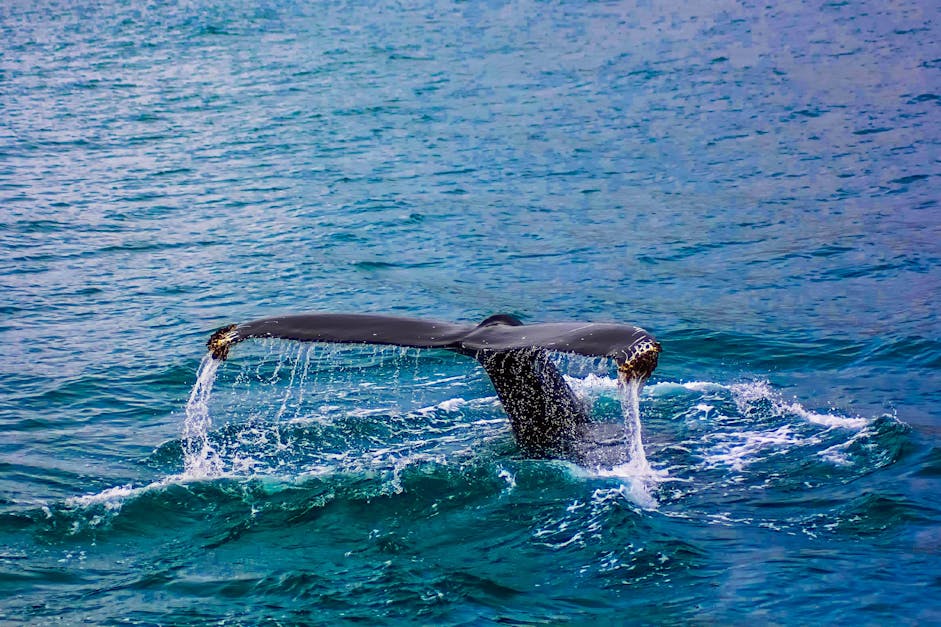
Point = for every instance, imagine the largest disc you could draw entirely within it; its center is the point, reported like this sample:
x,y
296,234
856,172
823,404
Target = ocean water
x,y
755,184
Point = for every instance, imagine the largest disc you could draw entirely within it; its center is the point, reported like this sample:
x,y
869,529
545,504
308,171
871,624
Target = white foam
x,y
637,484
366,412
452,404
435,382
746,395
838,454
741,448
507,476
112,498
671,387
828,420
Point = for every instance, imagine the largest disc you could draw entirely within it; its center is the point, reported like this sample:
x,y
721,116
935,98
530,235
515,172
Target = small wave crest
x,y
757,396
296,417
749,395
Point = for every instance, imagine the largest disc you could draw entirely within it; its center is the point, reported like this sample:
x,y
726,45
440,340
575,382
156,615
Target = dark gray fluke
x,y
546,417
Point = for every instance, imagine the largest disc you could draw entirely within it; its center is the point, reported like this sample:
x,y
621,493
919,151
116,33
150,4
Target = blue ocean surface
x,y
755,184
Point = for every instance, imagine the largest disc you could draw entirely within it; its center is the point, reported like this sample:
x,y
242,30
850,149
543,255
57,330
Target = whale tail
x,y
546,417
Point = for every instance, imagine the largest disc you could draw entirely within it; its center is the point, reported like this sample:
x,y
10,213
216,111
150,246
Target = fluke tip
x,y
221,341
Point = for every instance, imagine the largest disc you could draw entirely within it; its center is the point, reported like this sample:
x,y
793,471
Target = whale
x,y
546,417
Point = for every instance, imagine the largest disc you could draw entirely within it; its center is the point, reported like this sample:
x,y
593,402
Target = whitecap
x,y
672,387
747,395
739,449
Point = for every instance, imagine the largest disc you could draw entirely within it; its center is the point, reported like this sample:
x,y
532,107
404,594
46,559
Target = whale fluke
x,y
546,417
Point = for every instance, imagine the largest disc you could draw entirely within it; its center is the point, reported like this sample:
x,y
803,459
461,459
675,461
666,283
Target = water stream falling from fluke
x,y
200,459
629,392
641,478
207,456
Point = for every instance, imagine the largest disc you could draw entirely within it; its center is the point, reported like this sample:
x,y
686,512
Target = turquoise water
x,y
756,185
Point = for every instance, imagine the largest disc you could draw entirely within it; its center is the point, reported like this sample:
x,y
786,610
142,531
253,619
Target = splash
x,y
641,480
630,405
200,459
748,395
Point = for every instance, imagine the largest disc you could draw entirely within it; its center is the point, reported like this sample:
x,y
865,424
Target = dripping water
x,y
208,455
629,393
200,459
642,480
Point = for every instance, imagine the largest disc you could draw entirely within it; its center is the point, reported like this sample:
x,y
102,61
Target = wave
x,y
707,442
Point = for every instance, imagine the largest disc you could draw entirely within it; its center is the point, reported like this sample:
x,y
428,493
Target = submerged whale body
x,y
546,417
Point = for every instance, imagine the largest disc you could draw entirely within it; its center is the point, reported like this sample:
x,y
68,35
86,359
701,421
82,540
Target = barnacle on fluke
x,y
221,341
